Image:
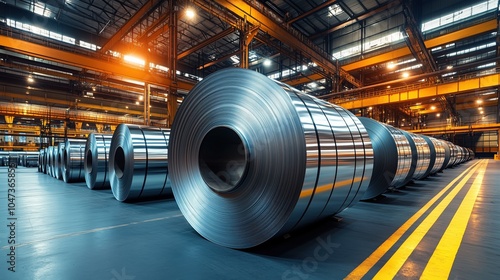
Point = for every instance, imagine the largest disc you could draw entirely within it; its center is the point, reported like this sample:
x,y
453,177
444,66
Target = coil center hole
x,y
88,157
119,162
222,159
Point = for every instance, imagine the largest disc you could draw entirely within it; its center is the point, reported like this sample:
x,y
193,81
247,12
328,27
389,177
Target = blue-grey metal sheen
x,y
72,164
252,159
55,155
58,161
41,155
96,160
422,155
392,157
50,160
437,155
138,162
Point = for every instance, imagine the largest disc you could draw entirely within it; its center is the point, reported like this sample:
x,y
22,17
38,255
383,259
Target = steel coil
x,y
44,161
392,157
421,154
252,159
138,162
41,155
447,154
58,160
72,161
437,155
50,158
96,161
55,156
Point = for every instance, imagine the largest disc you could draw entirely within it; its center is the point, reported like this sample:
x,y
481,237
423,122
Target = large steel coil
x,y
437,155
252,159
421,154
58,160
96,161
392,157
72,161
138,162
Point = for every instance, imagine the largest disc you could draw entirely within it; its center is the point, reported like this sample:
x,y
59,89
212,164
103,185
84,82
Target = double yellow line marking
x,y
450,241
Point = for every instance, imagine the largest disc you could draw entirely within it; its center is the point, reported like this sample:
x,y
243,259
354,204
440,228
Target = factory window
x,y
460,15
370,45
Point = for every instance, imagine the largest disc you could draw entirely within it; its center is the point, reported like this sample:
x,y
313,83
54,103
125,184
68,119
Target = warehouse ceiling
x,y
96,56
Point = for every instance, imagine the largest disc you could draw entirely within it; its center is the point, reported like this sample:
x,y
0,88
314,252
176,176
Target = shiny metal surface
x,y
55,155
58,160
95,161
138,162
72,160
447,154
392,157
44,161
50,160
41,155
251,159
421,155
437,155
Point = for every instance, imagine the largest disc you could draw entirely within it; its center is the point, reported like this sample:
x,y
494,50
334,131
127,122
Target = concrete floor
x,y
66,231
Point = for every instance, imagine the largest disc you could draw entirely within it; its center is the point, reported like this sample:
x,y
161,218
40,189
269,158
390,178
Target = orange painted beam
x,y
111,67
394,96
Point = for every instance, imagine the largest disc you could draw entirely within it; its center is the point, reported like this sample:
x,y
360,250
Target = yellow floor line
x,y
441,261
394,264
369,262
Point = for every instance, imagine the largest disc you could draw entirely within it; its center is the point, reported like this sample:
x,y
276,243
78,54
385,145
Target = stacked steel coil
x,y
392,157
72,161
252,159
58,161
41,156
421,154
138,162
96,160
50,158
438,155
55,156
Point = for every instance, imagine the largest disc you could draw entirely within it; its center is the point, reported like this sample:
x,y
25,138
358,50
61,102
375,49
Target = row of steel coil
x,y
249,159
133,162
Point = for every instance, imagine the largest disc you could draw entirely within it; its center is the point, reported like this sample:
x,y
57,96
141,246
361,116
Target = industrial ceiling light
x,y
267,62
433,107
438,115
405,75
391,65
30,79
134,60
479,101
449,67
190,14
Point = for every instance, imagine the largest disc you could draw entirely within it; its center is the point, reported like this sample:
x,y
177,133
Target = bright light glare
x,y
267,62
30,79
391,65
479,101
190,13
134,60
406,75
